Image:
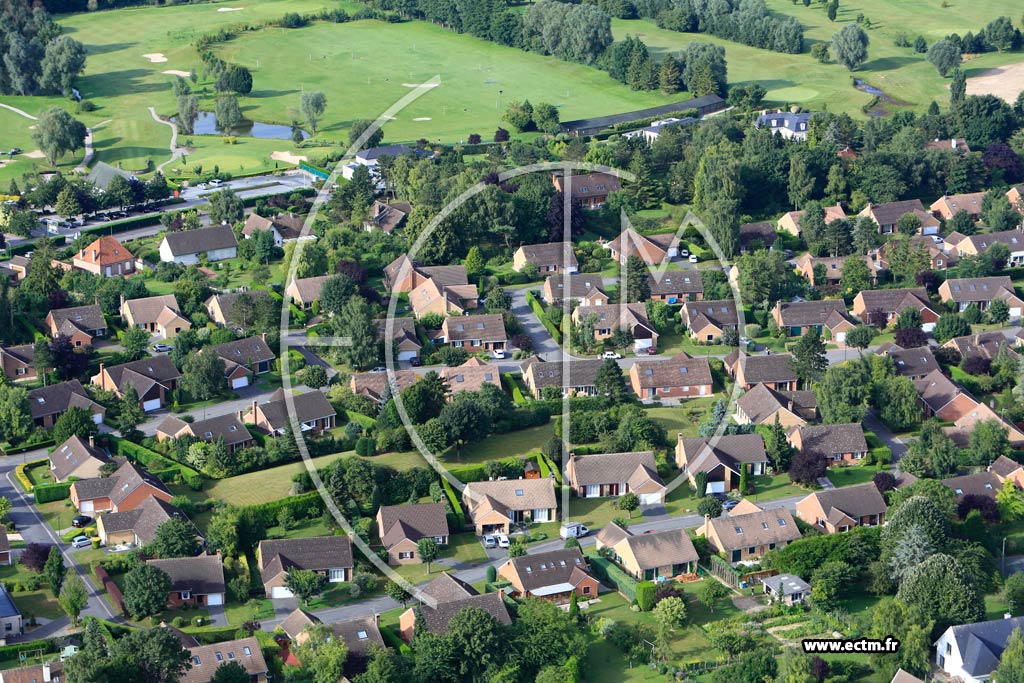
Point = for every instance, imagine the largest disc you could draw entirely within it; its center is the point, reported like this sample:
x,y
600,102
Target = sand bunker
x,y
155,57
422,118
34,154
420,85
177,72
1005,82
288,157
230,9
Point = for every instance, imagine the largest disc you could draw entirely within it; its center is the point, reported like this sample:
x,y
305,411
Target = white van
x,y
573,530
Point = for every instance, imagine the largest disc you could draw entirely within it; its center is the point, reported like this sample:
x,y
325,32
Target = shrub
x,y
645,594
48,493
752,330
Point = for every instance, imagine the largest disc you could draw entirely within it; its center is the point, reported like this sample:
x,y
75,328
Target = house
x,y
359,634
122,491
722,458
187,247
195,581
285,227
938,258
788,589
158,315
882,306
494,506
983,344
651,249
380,386
971,652
18,265
915,363
613,474
887,215
228,428
788,125
948,401
243,359
474,333
313,412
773,371
586,288
981,291
828,317
5,548
678,377
675,286
902,676
47,403
975,245
405,343
947,206
763,405
138,526
707,320
841,509
400,527
81,324
449,300
648,556
77,458
470,376
18,362
573,377
404,275
839,444
609,318
443,598
551,257
221,307
1006,469
305,290
707,104
1016,196
47,672
589,190
759,235
206,659
105,256
371,157
790,221
555,575
651,133
386,215
747,537
957,145
152,377
985,484
330,556
831,268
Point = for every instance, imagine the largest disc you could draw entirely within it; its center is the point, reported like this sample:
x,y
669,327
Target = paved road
x,y
243,403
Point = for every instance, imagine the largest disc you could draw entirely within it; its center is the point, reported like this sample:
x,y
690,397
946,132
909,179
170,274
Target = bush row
x,y
22,477
470,473
47,493
8,449
302,506
392,640
160,466
538,310
454,500
513,387
607,572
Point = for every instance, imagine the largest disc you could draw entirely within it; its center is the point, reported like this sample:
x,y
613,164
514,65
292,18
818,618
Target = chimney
x,y
954,143
239,415
101,368
46,673
1007,615
263,336
376,618
92,441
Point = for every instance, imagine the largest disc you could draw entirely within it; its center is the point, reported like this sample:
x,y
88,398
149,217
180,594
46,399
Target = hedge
x,y
25,447
47,493
543,461
645,595
19,473
454,500
392,640
12,653
873,440
513,387
607,572
881,455
21,249
469,473
538,310
158,465
302,506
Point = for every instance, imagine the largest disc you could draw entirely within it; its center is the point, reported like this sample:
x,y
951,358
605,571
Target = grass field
x,y
259,487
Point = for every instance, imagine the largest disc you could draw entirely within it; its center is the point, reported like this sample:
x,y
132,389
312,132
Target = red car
x,y
651,350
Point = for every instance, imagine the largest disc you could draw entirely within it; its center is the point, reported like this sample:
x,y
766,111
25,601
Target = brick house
x,y
81,324
575,377
609,475
381,385
78,458
589,190
790,221
228,428
837,510
746,537
305,290
676,286
330,556
138,526
105,256
707,320
124,490
405,343
313,412
475,333
887,215
206,659
975,245
648,556
195,581
18,362
158,315
48,403
555,575
981,291
607,319
221,307
882,306
400,527
915,363
152,377
550,257
762,405
838,444
772,370
828,317
494,506
722,458
678,377
443,598
586,288
651,249
947,205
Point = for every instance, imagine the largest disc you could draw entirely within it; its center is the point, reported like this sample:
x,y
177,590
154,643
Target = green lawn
x,y
520,442
848,476
775,486
684,418
40,603
464,547
39,474
259,487
238,614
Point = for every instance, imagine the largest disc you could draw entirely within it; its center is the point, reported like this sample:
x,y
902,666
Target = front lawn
x,y
57,513
596,513
263,486
849,476
237,614
775,486
500,446
40,603
684,418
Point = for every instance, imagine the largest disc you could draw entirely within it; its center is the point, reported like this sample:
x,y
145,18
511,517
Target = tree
x,y
795,667
73,598
777,447
912,548
222,532
1011,661
519,115
671,612
850,46
669,75
175,537
829,581
843,393
202,376
710,593
231,672
356,322
54,571
188,112
63,62
236,78
709,506
807,467
304,583
860,337
145,591
950,325
944,55
1010,500
637,285
943,591
629,502
610,381
474,262
908,224
312,105
428,551
808,360
396,592
314,376
57,132
15,413
226,207
74,422
478,639
134,340
156,655
998,311
228,113
322,655
856,276
892,616
1013,587
896,400
67,203
988,441
543,634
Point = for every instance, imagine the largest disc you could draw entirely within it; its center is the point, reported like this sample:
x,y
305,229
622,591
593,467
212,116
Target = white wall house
x,y
970,652
217,243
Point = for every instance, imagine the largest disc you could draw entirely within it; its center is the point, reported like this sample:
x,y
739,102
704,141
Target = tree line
x,y
35,59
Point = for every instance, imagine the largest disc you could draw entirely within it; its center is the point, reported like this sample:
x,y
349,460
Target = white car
x,y
202,186
693,258
683,253
490,542
499,353
81,542
503,541
611,355
161,348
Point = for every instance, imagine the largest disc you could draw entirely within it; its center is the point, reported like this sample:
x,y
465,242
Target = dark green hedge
x,y
303,506
605,570
47,493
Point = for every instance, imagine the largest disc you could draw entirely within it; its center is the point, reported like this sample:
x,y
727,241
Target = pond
x,y
878,109
206,124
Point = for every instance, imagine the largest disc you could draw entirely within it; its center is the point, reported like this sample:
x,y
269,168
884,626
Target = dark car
x,y
81,521
651,351
415,362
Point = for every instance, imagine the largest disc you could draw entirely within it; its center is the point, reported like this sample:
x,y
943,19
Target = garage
x,y
650,499
840,337
407,355
716,487
928,327
240,382
87,506
280,592
1015,312
642,344
151,405
97,418
215,599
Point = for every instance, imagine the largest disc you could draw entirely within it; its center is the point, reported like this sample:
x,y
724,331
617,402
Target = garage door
x,y
406,355
716,487
240,382
151,405
643,344
650,499
840,337
928,327
1015,312
278,592
215,599
87,506
97,418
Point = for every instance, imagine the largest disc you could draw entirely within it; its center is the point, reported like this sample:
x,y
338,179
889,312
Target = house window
x,y
20,371
186,595
586,590
336,575
949,648
405,555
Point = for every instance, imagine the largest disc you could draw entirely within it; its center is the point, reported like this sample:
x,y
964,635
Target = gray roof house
x,y
971,652
198,579
791,126
217,243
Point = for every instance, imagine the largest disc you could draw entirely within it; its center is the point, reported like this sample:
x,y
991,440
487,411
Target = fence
x,y
313,170
110,587
722,570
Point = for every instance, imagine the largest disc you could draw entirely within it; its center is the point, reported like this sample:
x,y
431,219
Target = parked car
x,y
729,504
81,521
573,530
683,253
490,542
651,351
161,348
81,542
378,369
503,541
499,353
613,355
693,258
415,362
216,182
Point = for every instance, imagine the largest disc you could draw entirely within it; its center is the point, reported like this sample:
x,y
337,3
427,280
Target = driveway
x,y
895,444
543,343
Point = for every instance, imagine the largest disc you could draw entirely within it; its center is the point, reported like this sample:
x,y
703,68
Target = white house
x,y
369,157
970,652
653,131
790,126
217,243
